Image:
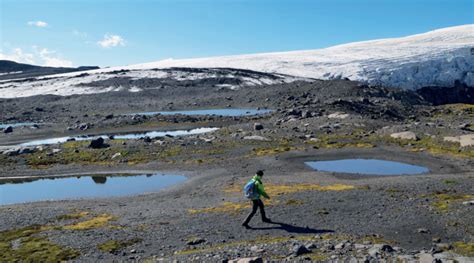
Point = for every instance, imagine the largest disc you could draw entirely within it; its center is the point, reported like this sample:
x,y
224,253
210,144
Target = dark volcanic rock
x,y
8,129
97,143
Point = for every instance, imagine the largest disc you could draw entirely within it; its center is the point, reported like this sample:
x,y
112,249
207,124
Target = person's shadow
x,y
293,229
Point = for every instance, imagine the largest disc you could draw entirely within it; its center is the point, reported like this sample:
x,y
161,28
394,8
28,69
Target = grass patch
x,y
280,189
465,249
226,207
444,201
95,222
20,245
114,246
450,182
72,216
294,202
272,190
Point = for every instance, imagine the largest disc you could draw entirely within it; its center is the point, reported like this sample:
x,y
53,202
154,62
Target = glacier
x,y
433,59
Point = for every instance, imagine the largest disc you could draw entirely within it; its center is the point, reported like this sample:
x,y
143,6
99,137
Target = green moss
x,y
113,246
94,222
72,216
444,201
30,248
465,249
447,181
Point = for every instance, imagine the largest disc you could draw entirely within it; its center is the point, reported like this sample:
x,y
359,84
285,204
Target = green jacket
x,y
260,189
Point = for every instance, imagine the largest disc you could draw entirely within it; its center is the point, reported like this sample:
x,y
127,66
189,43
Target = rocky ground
x,y
317,216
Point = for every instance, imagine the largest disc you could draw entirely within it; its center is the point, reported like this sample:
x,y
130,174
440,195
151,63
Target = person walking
x,y
253,190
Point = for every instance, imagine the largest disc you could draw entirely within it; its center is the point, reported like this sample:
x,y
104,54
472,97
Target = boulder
x,y
406,135
116,155
97,143
256,138
338,115
247,260
300,250
195,241
463,140
147,139
257,126
8,129
83,126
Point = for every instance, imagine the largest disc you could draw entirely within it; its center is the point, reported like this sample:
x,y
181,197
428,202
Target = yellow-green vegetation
x,y
361,139
465,249
336,141
23,245
94,222
280,189
443,201
272,190
455,109
226,207
448,181
294,202
72,216
272,148
77,152
113,246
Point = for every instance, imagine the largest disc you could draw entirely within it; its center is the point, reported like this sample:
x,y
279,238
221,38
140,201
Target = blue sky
x,y
110,33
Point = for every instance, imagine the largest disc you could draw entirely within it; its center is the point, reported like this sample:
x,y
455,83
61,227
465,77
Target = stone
x,y
444,246
257,126
8,129
310,246
300,250
83,126
116,155
422,230
147,139
196,241
97,143
247,260
471,202
466,140
406,135
338,115
426,258
377,249
340,246
463,140
256,138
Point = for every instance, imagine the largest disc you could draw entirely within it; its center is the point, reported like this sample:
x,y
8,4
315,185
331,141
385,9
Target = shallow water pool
x,y
152,134
219,112
85,187
367,166
18,124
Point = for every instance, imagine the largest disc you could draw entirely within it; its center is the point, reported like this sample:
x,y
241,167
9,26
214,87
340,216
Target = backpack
x,y
250,190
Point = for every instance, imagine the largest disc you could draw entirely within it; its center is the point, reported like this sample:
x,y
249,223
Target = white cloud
x,y
18,55
111,41
41,56
79,33
38,23
49,59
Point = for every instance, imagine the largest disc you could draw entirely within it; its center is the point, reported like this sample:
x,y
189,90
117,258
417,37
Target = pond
x,y
367,166
218,112
152,134
18,124
85,187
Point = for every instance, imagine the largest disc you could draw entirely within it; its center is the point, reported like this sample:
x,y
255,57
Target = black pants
x,y
256,204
